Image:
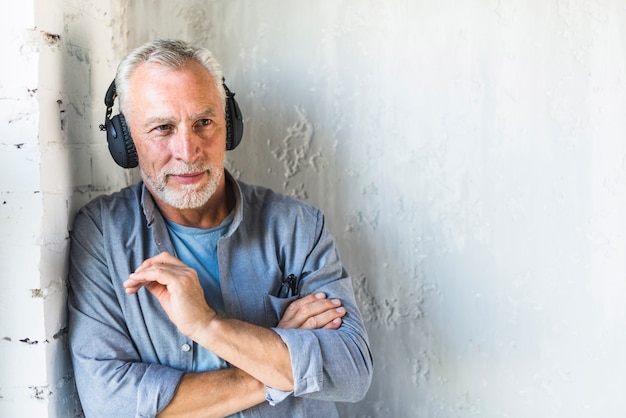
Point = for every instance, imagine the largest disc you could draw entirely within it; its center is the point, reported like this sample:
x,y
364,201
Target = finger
x,y
163,258
131,289
156,273
132,285
330,318
292,310
313,315
301,310
317,308
334,324
137,281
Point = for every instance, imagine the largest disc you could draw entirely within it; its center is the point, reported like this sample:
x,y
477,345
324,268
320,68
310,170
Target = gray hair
x,y
170,53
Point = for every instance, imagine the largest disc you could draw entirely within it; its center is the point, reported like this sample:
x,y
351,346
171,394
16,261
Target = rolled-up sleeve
x,y
331,365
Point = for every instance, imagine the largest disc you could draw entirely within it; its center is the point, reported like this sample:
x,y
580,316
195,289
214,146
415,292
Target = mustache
x,y
182,169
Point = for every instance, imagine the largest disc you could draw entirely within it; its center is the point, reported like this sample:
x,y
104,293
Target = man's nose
x,y
186,145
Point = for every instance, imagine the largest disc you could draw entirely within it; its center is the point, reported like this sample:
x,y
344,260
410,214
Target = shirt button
x,y
185,347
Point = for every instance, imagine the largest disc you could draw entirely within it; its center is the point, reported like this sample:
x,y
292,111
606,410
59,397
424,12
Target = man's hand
x,y
178,290
313,312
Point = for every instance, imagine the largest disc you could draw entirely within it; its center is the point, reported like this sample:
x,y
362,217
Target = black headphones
x,y
121,143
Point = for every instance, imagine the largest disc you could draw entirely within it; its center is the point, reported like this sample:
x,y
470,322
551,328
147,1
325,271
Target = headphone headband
x,y
110,95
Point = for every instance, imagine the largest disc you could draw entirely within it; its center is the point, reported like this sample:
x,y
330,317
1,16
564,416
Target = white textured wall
x,y
471,159
469,156
53,160
22,356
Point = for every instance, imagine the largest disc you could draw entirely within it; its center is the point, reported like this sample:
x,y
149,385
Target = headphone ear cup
x,y
120,142
234,122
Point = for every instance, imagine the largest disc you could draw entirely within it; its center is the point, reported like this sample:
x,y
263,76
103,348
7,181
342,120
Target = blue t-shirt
x,y
197,248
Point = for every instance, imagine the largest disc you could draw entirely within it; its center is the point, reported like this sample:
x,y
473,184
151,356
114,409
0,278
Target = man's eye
x,y
205,122
163,128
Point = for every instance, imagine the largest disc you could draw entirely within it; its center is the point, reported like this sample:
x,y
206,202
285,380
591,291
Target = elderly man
x,y
192,293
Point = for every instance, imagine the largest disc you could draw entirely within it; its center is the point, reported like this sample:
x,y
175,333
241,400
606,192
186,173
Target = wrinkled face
x,y
177,122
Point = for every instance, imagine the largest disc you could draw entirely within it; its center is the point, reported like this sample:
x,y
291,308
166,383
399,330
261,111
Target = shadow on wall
x,y
393,294
91,170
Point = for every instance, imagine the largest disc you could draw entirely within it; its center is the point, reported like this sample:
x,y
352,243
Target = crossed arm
x,y
259,356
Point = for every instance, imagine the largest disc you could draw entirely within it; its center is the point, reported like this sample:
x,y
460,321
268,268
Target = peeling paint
x,y
62,333
50,38
40,163
80,54
62,114
40,393
295,152
358,219
29,341
36,293
390,312
420,368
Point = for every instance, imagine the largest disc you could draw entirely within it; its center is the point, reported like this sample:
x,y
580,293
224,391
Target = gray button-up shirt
x,y
129,358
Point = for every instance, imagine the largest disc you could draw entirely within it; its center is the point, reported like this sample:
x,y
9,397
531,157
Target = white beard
x,y
186,196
